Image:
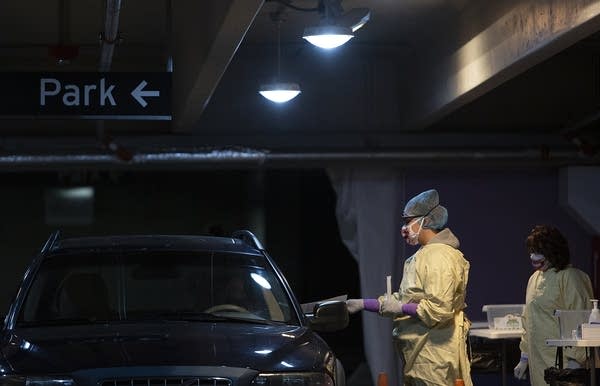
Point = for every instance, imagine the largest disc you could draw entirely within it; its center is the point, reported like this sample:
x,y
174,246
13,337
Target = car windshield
x,y
163,286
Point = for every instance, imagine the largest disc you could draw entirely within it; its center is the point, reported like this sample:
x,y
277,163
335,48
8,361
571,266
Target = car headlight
x,y
293,379
16,380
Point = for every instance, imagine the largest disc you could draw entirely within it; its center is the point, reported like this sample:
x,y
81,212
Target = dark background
x,y
491,211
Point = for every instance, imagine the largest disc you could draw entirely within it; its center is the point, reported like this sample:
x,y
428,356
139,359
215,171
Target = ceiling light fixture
x,y
336,27
279,92
327,37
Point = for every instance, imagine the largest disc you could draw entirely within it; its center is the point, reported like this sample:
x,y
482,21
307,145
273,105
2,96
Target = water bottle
x,y
595,314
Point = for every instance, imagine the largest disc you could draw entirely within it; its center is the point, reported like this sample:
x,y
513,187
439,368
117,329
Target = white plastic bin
x,y
504,316
571,320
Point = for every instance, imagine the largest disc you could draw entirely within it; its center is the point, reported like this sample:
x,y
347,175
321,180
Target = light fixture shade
x,y
279,92
328,36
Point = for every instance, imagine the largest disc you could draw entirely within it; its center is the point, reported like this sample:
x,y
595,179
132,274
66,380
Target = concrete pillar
x,y
579,194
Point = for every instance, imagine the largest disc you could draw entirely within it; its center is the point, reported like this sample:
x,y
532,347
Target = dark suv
x,y
164,311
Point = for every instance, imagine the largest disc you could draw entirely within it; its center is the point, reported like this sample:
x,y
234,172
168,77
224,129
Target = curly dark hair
x,y
548,241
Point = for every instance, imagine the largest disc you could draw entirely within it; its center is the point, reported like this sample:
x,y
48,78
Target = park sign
x,y
86,95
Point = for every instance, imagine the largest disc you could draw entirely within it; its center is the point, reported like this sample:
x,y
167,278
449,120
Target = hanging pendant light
x,y
279,92
337,27
328,37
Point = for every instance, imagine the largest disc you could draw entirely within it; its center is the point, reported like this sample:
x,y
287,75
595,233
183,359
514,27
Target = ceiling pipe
x,y
169,30
109,39
258,158
110,36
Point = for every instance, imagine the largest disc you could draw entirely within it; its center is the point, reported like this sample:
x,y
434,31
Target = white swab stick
x,y
389,285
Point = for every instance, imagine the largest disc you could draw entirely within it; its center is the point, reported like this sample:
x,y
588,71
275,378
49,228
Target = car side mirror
x,y
329,316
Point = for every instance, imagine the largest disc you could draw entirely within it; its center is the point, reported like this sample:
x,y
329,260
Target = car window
x,y
158,285
213,283
73,287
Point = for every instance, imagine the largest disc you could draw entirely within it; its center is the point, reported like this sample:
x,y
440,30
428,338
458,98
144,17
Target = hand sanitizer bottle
x,y
595,315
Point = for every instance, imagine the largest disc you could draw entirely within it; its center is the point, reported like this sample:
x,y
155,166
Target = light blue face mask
x,y
538,261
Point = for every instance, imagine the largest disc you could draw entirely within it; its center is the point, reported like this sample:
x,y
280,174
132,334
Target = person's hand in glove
x,y
521,368
356,305
572,364
390,306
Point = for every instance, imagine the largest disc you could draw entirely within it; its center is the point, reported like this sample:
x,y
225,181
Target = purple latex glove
x,y
371,305
410,309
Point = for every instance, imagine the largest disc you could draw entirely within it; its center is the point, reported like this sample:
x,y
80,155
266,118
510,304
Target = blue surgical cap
x,y
427,204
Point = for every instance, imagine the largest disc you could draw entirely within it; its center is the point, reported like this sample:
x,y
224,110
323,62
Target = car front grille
x,y
191,381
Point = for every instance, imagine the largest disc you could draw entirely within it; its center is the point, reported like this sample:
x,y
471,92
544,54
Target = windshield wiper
x,y
210,317
188,316
255,320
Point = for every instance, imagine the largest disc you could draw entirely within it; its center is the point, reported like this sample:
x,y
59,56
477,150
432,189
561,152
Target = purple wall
x,y
492,213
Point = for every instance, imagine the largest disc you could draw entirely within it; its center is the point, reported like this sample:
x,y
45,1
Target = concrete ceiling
x,y
423,76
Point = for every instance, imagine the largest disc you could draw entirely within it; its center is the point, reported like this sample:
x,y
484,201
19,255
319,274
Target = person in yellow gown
x,y
555,285
430,328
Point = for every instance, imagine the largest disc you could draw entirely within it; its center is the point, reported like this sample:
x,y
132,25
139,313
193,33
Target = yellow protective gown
x,y
432,343
568,289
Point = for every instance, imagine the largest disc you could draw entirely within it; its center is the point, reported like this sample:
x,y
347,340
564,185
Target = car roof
x,y
154,242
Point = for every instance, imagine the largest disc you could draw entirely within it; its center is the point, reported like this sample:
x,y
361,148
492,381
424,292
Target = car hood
x,y
72,348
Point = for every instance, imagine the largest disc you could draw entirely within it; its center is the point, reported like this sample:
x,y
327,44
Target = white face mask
x,y
412,238
538,261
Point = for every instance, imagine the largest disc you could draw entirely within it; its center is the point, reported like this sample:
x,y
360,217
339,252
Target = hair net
x,y
427,204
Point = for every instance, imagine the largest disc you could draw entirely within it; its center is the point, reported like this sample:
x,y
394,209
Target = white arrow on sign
x,y
138,93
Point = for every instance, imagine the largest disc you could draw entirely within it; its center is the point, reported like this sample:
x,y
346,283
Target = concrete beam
x,y
207,35
503,45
